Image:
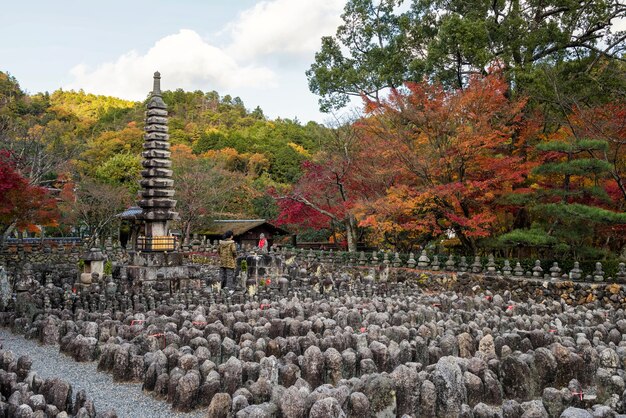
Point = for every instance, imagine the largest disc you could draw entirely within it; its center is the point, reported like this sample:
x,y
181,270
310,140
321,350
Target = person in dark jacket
x,y
227,251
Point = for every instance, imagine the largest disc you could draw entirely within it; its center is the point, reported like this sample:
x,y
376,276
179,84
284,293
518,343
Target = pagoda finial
x,y
156,89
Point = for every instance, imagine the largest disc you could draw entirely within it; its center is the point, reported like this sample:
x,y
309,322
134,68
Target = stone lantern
x,y
93,265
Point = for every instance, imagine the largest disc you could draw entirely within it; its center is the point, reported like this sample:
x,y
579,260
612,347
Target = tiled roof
x,y
240,226
130,213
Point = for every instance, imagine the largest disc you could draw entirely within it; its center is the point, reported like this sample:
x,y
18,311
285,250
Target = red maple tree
x,y
22,206
455,154
341,175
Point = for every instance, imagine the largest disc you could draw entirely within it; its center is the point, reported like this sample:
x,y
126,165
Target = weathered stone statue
x,y
423,261
111,287
598,274
5,288
576,273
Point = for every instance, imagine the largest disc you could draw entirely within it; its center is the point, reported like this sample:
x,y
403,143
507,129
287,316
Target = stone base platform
x,y
145,266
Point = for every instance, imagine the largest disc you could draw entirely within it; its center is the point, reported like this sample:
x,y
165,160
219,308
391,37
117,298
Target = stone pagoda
x,y
154,257
157,185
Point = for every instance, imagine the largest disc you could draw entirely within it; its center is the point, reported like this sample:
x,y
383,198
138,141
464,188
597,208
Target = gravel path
x,y
127,399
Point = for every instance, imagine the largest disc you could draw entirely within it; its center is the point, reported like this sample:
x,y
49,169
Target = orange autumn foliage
x,y
455,154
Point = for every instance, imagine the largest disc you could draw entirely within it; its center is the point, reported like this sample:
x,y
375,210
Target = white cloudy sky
x,y
257,50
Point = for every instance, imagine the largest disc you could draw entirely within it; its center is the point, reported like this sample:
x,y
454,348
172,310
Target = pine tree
x,y
571,207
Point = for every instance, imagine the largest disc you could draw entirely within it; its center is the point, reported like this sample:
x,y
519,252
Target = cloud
x,y
185,61
284,26
246,58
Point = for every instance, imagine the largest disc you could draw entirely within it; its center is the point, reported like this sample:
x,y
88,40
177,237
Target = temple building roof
x,y
133,212
241,226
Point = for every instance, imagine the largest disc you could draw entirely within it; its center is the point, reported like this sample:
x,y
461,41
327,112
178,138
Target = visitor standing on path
x,y
262,243
227,251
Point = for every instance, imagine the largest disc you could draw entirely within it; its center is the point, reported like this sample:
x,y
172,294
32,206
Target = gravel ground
x,y
127,399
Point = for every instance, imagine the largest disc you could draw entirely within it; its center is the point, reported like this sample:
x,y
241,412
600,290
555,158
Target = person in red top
x,y
262,243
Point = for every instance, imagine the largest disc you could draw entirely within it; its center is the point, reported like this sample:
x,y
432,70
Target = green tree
x,y
367,54
265,207
121,169
378,46
210,140
570,209
85,106
10,91
104,146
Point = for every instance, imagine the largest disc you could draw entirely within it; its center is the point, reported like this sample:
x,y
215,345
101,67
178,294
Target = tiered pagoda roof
x,y
157,185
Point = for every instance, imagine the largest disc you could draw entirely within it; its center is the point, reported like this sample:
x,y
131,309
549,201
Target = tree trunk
x,y
466,243
187,230
351,233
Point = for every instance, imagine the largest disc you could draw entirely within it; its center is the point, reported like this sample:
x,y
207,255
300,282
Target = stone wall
x,y
60,265
49,259
488,265
572,293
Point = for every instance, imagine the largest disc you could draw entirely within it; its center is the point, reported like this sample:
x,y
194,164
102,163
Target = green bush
x,y
108,267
